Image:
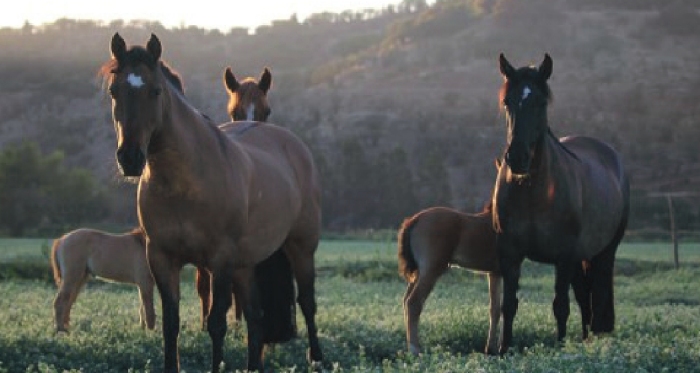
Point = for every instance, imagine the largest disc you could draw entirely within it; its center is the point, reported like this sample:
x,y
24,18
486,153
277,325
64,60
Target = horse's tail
x,y
54,261
275,282
408,268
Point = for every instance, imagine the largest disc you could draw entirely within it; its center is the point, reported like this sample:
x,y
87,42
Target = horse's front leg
x,y
167,278
216,322
510,269
494,312
564,273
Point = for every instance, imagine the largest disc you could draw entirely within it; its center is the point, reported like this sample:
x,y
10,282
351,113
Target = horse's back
x,y
76,246
285,172
605,190
105,255
451,236
596,153
276,144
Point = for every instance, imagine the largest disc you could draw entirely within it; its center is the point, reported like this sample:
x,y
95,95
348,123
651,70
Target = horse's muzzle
x,y
518,160
131,160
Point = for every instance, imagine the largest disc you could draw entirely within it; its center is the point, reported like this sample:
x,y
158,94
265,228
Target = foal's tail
x,y
54,261
275,283
408,268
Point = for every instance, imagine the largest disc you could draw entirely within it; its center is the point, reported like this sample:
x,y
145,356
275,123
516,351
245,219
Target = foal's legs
x,y
494,312
564,273
147,311
301,255
416,294
71,284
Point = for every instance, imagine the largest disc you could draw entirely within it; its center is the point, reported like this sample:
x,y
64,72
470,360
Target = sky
x,y
207,14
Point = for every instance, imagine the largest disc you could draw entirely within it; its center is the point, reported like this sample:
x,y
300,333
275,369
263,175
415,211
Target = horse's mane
x,y
138,55
529,74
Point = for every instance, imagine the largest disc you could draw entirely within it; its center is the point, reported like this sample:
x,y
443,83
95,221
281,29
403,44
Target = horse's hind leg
x,y
301,257
494,312
564,272
602,297
409,290
61,308
66,296
582,292
413,306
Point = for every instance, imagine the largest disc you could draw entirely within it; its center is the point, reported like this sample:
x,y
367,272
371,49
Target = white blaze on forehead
x,y
250,113
526,92
134,80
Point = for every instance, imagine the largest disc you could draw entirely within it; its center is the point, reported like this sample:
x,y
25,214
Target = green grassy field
x,y
360,320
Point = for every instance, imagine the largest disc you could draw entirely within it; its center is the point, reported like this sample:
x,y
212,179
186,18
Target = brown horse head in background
x,y
248,98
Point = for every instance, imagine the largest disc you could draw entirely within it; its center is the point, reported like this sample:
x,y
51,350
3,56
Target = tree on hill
x,y
36,189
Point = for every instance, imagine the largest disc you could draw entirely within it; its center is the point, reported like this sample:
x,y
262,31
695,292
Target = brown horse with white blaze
x,y
432,240
213,197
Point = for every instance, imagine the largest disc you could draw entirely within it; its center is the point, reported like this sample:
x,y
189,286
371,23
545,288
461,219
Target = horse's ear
x,y
265,81
117,47
153,46
506,69
545,69
230,80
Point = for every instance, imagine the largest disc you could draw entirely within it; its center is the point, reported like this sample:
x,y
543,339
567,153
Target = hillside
x,y
399,106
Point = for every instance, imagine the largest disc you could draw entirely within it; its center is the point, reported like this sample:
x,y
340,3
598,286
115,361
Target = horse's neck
x,y
551,158
183,146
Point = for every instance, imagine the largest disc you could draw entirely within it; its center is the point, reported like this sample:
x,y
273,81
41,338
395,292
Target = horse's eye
x,y
155,92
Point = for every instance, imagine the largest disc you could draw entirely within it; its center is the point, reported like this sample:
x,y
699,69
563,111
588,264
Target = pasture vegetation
x,y
360,320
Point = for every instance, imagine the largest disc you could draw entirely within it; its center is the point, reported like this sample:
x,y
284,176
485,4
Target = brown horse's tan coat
x,y
216,197
78,254
434,239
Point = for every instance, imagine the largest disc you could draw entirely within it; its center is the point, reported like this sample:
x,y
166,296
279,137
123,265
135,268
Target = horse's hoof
x,y
316,366
315,362
61,332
